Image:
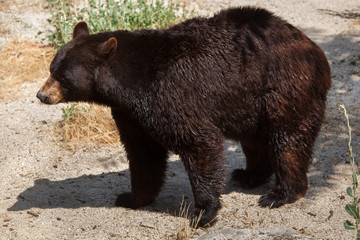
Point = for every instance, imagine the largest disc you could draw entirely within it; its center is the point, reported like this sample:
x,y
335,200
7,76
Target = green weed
x,y
353,208
72,112
110,15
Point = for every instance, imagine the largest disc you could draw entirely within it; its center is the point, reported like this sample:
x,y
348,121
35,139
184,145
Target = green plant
x,y
62,19
110,15
353,208
72,112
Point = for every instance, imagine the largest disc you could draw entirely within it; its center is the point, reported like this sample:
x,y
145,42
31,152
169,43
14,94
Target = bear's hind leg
x,y
290,160
147,163
205,167
258,168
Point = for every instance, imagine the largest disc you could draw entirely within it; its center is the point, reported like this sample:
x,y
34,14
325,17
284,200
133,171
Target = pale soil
x,y
47,192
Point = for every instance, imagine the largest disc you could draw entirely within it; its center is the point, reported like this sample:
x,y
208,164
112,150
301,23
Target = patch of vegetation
x,y
72,112
86,123
20,63
353,208
187,228
110,15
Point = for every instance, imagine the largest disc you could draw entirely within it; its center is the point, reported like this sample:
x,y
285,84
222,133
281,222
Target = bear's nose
x,y
43,98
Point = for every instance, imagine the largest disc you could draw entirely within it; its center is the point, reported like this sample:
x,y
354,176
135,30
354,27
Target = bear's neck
x,y
129,72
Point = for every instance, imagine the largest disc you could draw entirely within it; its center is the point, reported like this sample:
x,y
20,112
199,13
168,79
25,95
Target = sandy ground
x,y
48,192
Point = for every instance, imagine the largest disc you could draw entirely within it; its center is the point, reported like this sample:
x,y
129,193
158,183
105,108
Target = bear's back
x,y
239,64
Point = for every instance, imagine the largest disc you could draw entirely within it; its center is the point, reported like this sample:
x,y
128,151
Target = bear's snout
x,y
43,98
50,92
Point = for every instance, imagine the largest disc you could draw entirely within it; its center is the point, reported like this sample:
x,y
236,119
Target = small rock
x,y
280,233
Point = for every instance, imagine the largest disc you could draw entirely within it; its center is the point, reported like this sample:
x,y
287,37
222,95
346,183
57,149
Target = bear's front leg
x,y
205,166
147,163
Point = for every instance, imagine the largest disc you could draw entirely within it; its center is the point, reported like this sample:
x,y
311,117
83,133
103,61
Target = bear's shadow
x,y
101,190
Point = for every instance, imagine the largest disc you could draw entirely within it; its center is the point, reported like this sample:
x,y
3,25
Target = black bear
x,y
243,74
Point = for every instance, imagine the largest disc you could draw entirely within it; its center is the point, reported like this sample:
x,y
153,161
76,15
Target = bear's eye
x,y
62,80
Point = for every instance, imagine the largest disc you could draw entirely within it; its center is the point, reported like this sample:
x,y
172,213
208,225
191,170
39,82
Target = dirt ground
x,y
48,192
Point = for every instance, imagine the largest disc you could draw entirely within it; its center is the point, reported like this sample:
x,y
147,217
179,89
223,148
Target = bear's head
x,y
74,68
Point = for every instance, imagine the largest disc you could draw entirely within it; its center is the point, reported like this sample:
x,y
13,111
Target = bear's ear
x,y
108,47
80,29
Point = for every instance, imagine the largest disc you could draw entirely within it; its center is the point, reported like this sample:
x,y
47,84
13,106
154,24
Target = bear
x,y
243,74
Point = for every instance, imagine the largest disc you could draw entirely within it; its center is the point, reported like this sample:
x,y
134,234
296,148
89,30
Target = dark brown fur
x,y
243,74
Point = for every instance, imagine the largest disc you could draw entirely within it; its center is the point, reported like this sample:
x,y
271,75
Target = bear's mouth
x,y
50,92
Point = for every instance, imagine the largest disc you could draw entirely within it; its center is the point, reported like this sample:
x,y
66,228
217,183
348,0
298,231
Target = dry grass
x,y
22,62
83,123
186,229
